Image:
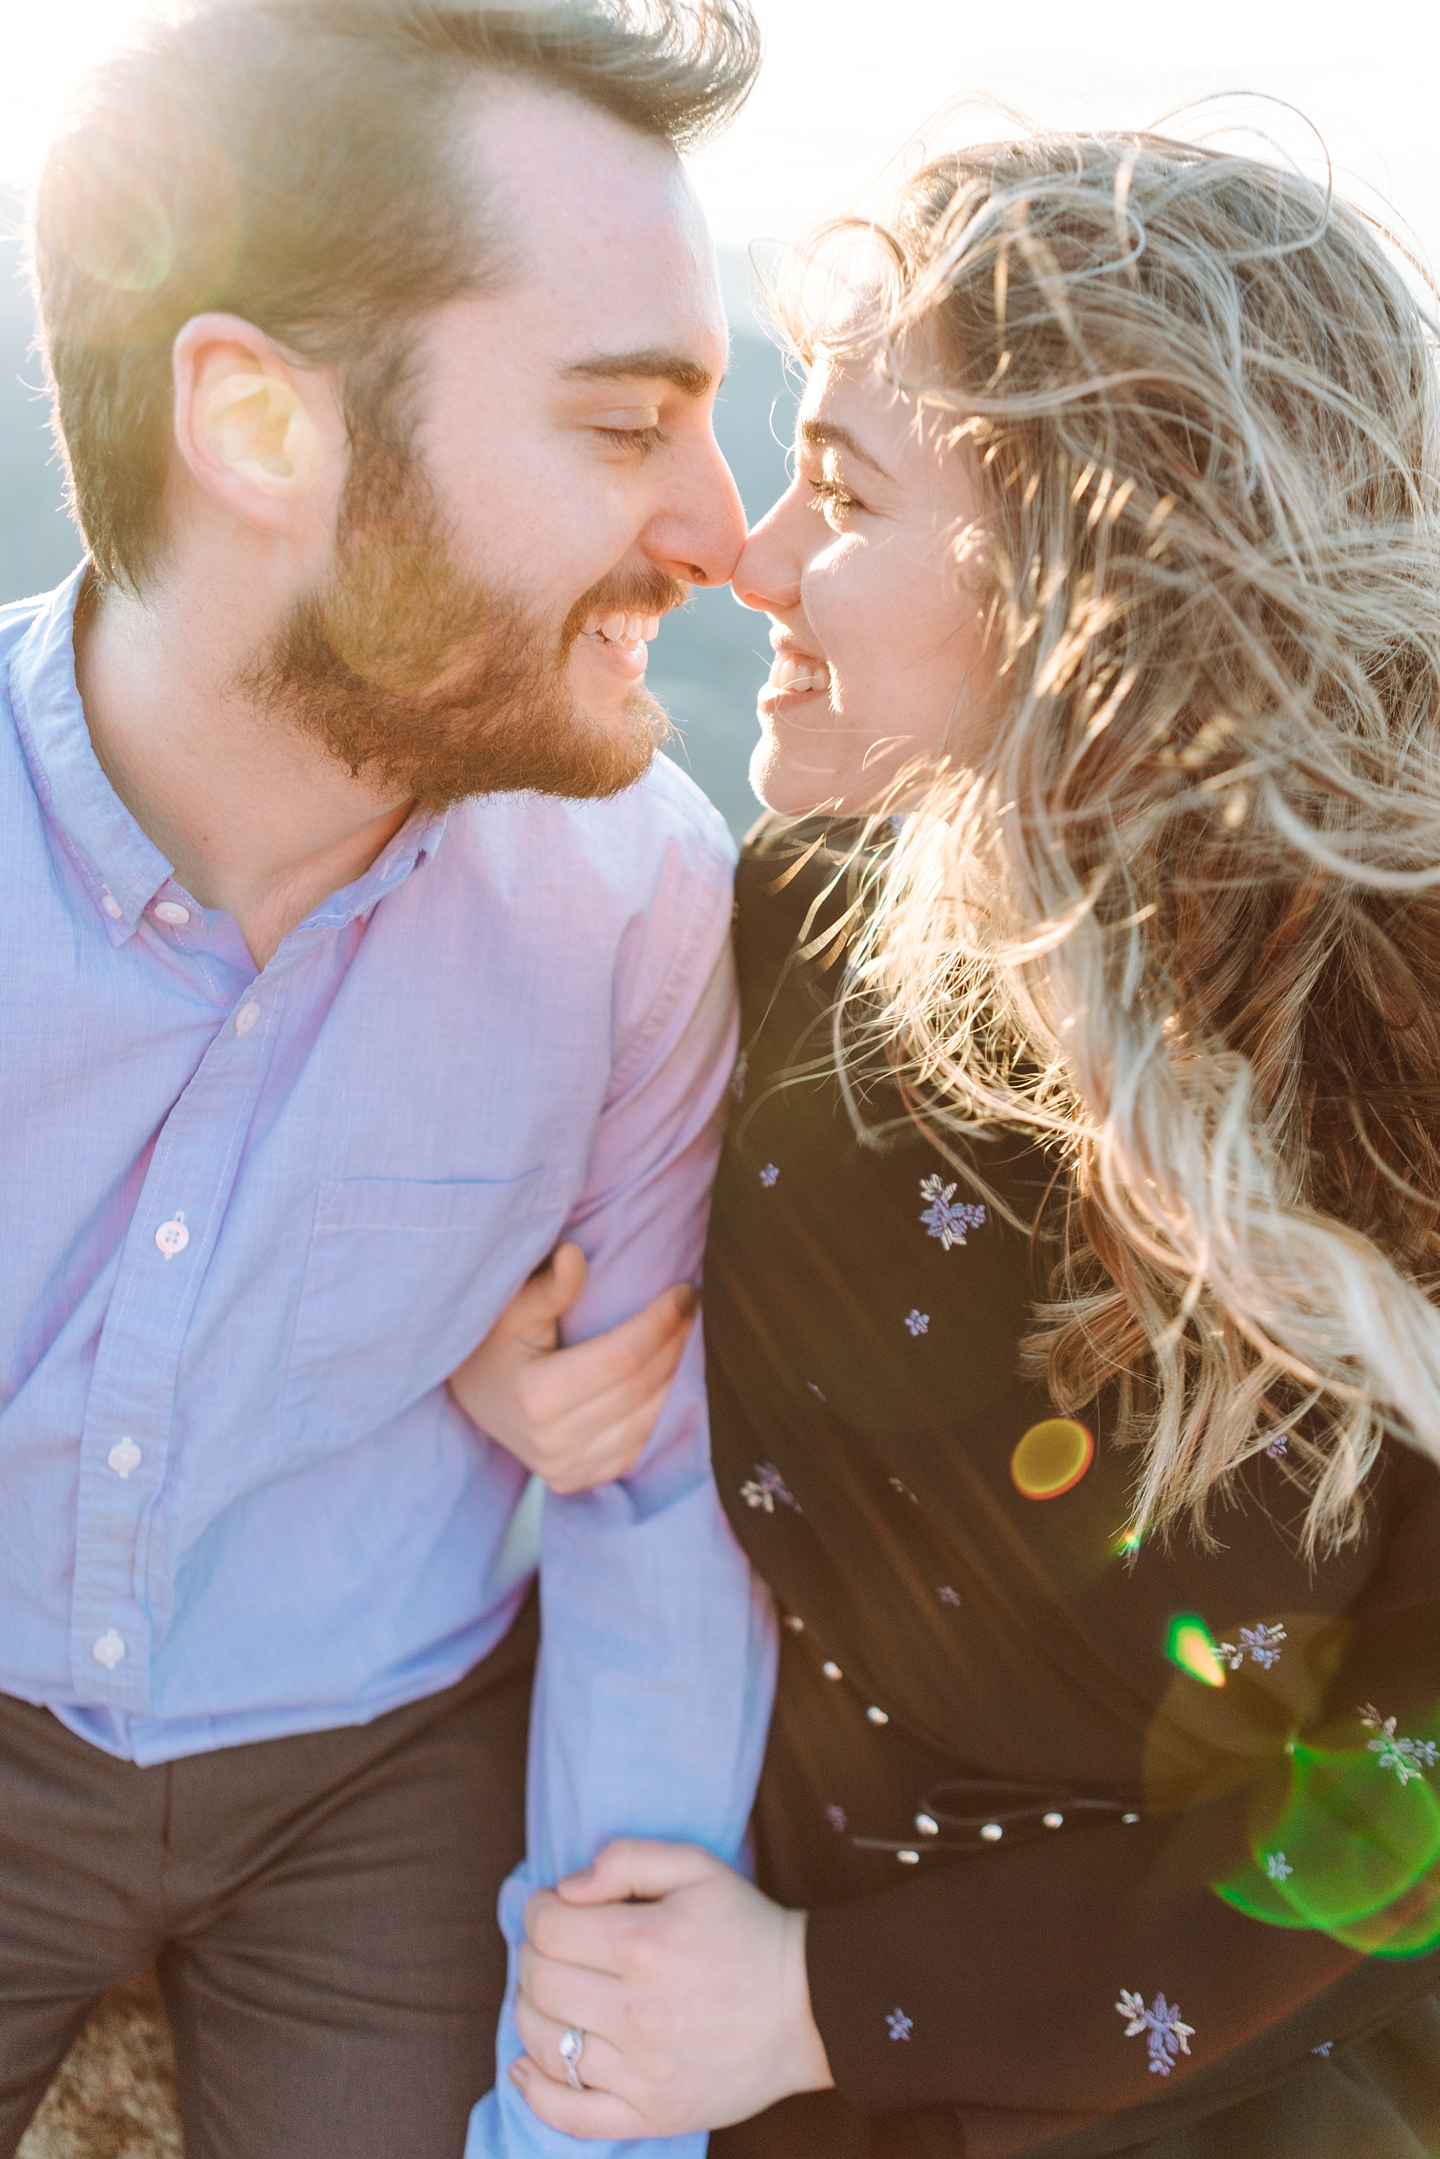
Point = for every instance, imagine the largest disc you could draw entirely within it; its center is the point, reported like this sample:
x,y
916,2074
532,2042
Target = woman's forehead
x,y
856,402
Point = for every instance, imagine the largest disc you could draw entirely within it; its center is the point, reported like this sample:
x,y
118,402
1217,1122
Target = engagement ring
x,y
572,2046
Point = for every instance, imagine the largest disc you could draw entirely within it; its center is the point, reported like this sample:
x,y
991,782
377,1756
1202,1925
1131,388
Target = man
x,y
384,341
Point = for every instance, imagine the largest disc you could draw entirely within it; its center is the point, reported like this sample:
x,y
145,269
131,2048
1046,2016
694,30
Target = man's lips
x,y
619,641
618,628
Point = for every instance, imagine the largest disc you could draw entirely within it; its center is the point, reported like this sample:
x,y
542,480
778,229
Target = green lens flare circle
x,y
1051,1458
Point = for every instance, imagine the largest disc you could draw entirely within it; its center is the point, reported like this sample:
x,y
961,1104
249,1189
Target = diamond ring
x,y
572,2046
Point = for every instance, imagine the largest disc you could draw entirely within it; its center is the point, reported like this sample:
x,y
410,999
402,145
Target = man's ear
x,y
257,432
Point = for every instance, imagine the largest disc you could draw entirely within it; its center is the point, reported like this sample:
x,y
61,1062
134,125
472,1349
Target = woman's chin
x,y
782,784
789,778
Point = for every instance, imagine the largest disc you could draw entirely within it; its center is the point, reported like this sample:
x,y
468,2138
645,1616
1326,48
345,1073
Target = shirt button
x,y
111,906
109,1650
172,912
124,1456
173,1236
830,1669
877,1716
246,1017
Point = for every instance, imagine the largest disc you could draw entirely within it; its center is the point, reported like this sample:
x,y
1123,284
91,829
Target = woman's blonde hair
x,y
1185,918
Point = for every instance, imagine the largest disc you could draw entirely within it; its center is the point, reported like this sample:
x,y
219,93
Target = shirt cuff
x,y
501,2125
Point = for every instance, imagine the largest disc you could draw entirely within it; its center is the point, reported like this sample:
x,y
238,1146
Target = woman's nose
x,y
767,576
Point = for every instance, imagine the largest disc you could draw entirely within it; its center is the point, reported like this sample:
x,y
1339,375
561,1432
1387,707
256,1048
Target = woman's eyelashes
x,y
833,501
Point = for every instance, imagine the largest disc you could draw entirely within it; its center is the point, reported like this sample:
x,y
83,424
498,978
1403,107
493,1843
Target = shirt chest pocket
x,y
402,1280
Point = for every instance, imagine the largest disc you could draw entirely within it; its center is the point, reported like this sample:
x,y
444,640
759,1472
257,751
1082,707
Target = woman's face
x,y
870,569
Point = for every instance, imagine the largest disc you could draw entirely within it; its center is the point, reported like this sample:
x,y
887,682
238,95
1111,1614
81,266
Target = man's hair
x,y
300,163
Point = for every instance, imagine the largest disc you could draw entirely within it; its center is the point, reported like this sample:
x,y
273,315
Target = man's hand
x,y
576,1416
695,2004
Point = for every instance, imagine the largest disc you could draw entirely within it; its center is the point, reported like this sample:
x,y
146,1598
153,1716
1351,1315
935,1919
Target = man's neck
x,y
253,817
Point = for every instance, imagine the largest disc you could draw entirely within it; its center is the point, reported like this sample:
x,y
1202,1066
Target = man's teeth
x,y
617,628
806,674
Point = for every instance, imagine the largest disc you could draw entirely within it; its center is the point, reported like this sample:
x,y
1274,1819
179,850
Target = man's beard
x,y
430,687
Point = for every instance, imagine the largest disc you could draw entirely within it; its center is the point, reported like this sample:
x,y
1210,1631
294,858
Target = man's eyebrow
x,y
829,434
651,364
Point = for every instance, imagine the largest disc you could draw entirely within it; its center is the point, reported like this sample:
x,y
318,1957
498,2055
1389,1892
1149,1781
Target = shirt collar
x,y
122,868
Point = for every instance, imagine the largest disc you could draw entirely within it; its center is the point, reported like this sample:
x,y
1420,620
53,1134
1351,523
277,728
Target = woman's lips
x,y
794,675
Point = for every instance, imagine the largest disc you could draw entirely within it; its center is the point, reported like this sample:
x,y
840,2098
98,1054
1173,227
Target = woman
x,y
1075,1376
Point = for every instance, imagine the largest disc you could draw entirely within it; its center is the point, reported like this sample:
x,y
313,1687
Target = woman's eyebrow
x,y
829,434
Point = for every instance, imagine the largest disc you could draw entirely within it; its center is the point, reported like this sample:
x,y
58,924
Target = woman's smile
x,y
796,679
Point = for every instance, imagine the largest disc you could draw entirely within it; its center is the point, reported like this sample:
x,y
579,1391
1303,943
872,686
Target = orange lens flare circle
x,y
1051,1458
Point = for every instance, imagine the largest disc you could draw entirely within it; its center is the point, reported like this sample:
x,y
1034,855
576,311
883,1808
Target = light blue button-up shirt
x,y
253,1219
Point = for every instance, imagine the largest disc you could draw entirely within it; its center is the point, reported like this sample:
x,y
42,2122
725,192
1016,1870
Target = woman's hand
x,y
695,2004
576,1416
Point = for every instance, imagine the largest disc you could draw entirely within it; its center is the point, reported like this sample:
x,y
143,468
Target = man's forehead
x,y
603,223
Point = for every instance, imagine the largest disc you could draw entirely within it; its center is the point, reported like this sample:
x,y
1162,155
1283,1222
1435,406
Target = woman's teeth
x,y
621,629
806,674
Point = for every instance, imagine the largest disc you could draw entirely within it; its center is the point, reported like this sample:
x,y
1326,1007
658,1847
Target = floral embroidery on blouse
x,y
835,1816
899,2025
947,1595
1278,1867
1279,1441
1166,2038
1260,1644
1407,1757
917,1322
765,1487
1323,2050
768,1175
946,1217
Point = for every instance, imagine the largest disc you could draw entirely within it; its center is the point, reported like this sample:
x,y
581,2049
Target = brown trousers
x,y
321,1910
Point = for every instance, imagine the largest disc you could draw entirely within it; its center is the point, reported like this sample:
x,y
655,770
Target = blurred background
x,y
846,84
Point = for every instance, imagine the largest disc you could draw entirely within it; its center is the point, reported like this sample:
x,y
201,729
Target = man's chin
x,y
623,732
588,757
603,673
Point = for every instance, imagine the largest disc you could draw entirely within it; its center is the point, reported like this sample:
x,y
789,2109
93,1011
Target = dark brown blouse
x,y
1082,1829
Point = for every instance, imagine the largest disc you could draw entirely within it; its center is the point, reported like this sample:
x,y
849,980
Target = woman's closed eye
x,y
833,501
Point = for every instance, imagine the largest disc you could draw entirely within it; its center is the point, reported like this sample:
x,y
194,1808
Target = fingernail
x,y
687,1297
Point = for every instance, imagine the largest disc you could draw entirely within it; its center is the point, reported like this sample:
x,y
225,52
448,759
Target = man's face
x,y
500,564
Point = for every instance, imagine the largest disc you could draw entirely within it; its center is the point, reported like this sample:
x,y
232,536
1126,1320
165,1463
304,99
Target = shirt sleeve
x,y
1295,1903
656,1672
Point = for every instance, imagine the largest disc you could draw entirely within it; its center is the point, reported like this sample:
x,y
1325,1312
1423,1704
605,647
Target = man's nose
x,y
701,538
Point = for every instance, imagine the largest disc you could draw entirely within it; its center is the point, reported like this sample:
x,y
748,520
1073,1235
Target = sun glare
x,y
1117,62
47,50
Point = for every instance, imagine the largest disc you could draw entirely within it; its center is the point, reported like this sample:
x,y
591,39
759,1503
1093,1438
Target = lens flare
x,y
1051,1458
143,211
1188,1644
1354,1854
